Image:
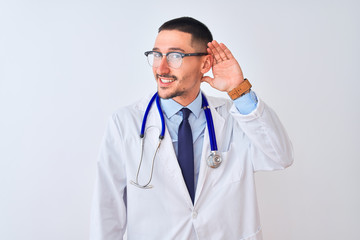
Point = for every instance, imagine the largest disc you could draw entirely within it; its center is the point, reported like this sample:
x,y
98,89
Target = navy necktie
x,y
186,153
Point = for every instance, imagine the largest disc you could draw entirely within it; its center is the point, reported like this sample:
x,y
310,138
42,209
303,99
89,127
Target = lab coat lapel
x,y
169,163
219,122
166,161
151,137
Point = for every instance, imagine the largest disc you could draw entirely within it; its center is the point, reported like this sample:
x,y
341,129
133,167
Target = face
x,y
181,84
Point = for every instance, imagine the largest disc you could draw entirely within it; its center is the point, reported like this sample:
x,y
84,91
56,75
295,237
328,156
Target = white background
x,y
65,66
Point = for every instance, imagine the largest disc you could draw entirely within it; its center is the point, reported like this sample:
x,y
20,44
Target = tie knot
x,y
186,112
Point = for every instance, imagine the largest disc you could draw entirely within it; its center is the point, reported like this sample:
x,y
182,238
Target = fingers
x,y
219,51
226,51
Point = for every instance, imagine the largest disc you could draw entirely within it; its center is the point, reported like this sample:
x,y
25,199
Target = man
x,y
181,197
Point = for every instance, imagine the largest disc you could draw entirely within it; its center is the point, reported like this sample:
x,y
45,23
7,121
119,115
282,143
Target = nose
x,y
163,68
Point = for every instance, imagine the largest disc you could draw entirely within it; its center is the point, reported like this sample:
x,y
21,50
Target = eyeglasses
x,y
174,59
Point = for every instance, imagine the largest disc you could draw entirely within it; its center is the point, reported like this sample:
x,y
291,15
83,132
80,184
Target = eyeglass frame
x,y
181,54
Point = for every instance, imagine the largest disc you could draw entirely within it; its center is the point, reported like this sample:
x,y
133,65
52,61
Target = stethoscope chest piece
x,y
214,160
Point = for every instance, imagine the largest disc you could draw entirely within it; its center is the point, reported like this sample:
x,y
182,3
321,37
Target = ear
x,y
207,63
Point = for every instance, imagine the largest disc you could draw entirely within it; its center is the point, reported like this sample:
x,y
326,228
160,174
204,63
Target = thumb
x,y
207,79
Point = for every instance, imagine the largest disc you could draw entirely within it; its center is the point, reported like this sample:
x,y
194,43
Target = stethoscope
x,y
214,160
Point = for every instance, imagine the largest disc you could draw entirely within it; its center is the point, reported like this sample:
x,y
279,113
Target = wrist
x,y
243,88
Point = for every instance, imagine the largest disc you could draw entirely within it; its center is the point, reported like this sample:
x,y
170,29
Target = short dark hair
x,y
197,29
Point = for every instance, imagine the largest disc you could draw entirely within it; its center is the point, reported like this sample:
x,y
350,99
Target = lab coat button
x,y
194,214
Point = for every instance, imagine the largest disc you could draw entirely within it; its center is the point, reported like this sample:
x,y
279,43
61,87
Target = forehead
x,y
173,40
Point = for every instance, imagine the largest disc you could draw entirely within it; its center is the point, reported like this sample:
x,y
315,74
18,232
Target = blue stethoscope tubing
x,y
142,132
213,161
210,124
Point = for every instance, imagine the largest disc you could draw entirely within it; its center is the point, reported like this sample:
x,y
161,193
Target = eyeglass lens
x,y
174,59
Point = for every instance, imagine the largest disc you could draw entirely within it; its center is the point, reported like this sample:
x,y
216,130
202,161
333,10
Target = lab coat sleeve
x,y
108,217
270,147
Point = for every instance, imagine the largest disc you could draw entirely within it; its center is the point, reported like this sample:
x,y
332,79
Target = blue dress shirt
x,y
173,117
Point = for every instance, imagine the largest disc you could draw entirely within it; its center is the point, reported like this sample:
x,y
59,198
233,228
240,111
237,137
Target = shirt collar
x,y
170,107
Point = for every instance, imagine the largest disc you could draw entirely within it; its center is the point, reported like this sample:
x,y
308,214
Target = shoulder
x,y
130,114
134,108
221,105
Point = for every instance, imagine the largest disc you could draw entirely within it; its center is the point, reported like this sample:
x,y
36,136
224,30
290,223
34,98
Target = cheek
x,y
189,80
193,73
191,69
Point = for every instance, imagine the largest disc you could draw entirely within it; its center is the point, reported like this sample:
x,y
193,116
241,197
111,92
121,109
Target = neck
x,y
185,100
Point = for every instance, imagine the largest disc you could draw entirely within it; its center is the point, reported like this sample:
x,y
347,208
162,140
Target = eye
x,y
174,56
157,54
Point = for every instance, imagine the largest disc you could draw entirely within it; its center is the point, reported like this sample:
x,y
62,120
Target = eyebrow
x,y
171,49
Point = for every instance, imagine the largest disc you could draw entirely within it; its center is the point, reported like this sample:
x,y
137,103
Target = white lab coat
x,y
225,204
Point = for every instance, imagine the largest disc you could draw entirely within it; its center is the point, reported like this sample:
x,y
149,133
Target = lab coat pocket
x,y
230,171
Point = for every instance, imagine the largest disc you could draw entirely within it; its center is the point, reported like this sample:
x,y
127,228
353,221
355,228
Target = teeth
x,y
166,80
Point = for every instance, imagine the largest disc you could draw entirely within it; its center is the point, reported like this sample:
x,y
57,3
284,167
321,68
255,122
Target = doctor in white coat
x,y
225,204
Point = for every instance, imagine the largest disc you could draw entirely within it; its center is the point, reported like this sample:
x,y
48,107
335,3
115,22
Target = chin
x,y
165,94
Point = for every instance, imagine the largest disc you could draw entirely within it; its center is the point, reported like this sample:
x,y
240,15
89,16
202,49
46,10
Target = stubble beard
x,y
174,91
165,94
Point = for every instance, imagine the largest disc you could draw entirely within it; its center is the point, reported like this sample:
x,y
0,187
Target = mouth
x,y
163,80
166,79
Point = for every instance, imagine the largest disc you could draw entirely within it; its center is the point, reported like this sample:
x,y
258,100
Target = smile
x,y
166,80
